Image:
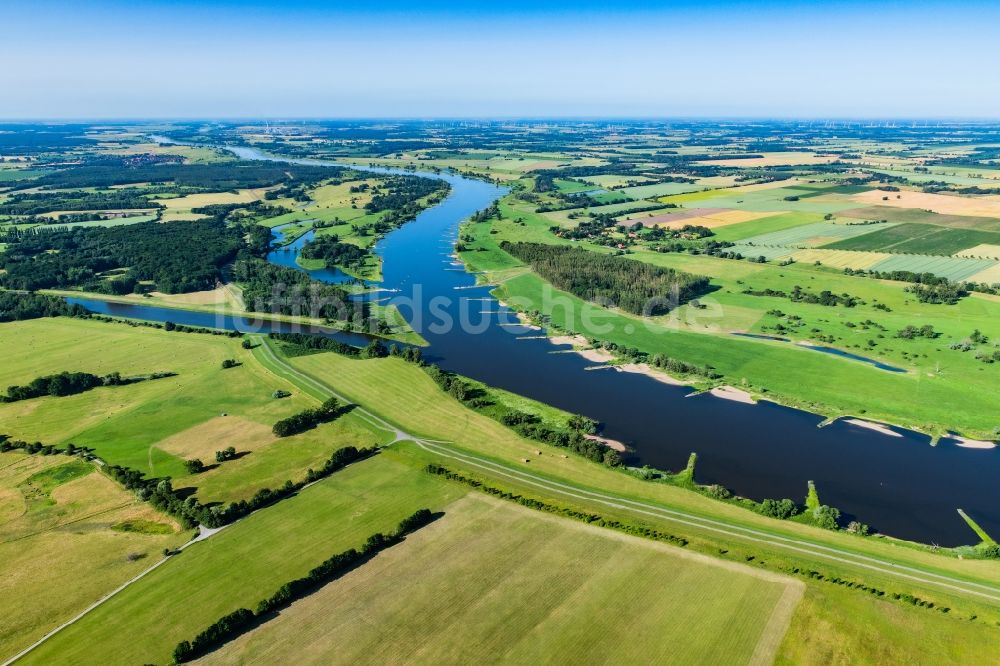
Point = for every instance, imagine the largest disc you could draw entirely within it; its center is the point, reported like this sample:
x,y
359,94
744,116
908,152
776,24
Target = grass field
x,y
246,562
152,426
816,234
59,546
466,589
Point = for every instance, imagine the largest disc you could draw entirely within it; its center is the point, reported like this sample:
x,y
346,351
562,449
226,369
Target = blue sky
x,y
441,58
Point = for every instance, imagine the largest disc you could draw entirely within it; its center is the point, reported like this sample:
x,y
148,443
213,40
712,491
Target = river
x,y
901,485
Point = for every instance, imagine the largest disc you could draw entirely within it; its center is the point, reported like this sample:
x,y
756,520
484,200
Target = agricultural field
x,y
546,540
153,426
607,597
918,239
68,535
195,588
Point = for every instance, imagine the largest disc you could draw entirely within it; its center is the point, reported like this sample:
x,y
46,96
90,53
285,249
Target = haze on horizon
x,y
441,58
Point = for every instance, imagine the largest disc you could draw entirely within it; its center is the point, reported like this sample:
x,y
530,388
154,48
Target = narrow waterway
x,y
901,485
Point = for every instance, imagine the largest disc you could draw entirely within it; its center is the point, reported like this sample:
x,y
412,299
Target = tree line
x,y
218,176
71,383
161,494
633,286
307,419
233,624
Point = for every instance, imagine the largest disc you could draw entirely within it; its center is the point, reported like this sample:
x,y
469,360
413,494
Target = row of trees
x,y
232,625
307,419
71,383
190,512
633,286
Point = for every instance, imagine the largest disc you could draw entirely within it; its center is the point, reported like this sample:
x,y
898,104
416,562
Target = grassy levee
x,y
244,563
607,597
68,536
406,397
153,426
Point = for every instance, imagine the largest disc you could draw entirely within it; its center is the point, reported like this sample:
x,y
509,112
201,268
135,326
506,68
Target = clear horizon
x,y
439,59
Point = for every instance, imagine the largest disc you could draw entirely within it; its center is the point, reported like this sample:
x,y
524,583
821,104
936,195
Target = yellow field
x,y
981,251
946,204
186,203
58,551
340,196
990,276
493,582
775,159
840,258
710,220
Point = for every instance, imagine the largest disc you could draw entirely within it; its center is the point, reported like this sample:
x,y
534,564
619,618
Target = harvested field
x,y
984,251
705,217
921,216
840,258
774,159
466,590
946,204
812,235
990,276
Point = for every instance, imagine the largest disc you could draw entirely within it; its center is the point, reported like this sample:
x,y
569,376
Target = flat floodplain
x,y
494,582
154,425
246,562
68,535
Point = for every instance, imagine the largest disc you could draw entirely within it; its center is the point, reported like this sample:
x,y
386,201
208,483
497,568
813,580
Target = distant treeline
x,y
215,177
18,306
631,285
35,203
175,257
232,625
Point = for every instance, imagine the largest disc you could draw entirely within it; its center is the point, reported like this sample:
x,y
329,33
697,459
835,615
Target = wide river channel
x,y
901,485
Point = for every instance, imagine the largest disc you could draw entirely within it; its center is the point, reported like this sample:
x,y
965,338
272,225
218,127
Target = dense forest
x,y
280,290
630,285
175,257
35,203
333,252
17,306
215,177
